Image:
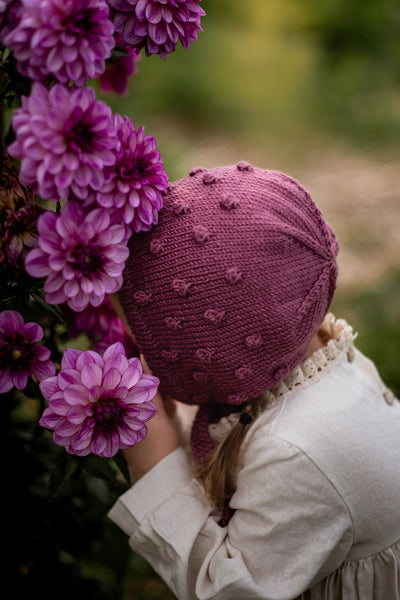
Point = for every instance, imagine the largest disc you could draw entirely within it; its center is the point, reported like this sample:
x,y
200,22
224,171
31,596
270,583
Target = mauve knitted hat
x,y
225,294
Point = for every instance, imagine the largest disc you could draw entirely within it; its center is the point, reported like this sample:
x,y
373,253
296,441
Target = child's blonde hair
x,y
218,469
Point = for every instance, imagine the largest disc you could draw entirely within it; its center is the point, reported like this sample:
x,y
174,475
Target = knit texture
x,y
225,294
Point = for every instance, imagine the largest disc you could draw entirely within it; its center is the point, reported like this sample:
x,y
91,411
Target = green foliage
x,y
59,540
13,85
364,28
375,313
355,82
275,74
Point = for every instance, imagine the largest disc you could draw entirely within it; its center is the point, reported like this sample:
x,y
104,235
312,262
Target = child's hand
x,y
161,438
162,434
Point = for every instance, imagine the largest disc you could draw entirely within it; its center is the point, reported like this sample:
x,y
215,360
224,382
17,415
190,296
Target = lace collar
x,y
311,370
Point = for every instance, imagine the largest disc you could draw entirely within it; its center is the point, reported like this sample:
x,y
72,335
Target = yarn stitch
x,y
251,279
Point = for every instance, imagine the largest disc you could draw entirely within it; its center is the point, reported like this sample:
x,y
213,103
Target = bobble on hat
x,y
225,294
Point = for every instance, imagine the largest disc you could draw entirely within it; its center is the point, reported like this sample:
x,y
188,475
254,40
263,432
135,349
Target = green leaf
x,y
121,463
119,51
62,475
100,467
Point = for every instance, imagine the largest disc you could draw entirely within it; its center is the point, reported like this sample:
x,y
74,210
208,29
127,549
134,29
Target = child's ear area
x,y
114,299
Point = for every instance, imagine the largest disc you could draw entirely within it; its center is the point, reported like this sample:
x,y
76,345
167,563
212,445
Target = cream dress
x,y
317,502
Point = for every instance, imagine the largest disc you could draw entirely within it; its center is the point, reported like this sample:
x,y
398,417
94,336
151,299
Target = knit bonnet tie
x,y
226,292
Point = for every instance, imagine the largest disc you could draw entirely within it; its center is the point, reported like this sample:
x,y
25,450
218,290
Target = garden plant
x,y
77,181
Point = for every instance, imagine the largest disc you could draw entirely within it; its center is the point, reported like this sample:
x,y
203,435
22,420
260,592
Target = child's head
x,y
225,294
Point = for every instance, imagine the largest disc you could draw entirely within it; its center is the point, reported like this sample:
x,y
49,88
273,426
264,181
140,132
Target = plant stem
x,y
1,116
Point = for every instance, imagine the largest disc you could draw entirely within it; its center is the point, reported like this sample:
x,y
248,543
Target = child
x,y
292,485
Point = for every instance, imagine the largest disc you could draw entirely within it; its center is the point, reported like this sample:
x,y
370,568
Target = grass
x,y
374,312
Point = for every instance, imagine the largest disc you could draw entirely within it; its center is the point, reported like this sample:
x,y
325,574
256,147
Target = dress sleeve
x,y
290,528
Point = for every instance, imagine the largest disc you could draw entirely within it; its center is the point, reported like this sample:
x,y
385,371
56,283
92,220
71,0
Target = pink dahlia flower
x,y
81,256
117,333
9,17
157,25
137,181
64,139
95,321
20,232
20,356
3,8
98,404
67,39
102,326
118,70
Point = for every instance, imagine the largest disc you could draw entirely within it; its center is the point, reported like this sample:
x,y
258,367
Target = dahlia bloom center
x,y
86,259
108,413
19,222
135,168
79,22
17,352
78,134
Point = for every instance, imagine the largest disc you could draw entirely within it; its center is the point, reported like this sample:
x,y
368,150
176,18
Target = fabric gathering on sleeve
x,y
270,549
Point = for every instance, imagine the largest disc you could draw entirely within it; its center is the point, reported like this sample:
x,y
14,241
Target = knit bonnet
x,y
226,292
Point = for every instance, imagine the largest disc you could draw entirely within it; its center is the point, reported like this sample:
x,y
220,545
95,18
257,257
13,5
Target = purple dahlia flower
x,y
13,195
157,25
3,8
68,39
98,404
20,356
20,232
117,333
64,139
9,17
102,326
118,70
138,179
95,321
82,256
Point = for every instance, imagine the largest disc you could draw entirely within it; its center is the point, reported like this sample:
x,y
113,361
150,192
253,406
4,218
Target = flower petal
x,y
144,390
20,379
70,358
37,263
42,370
91,375
112,379
6,383
76,394
49,419
49,387
116,348
11,320
130,377
76,414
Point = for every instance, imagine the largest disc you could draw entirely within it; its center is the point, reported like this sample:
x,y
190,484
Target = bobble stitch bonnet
x,y
225,294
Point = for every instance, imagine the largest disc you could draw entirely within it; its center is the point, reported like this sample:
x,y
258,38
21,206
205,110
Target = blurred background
x,y
310,88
